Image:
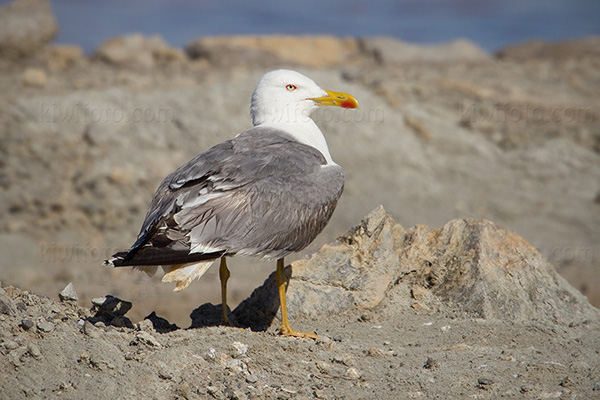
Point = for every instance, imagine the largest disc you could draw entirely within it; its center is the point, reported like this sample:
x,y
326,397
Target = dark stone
x,y
160,324
27,324
430,363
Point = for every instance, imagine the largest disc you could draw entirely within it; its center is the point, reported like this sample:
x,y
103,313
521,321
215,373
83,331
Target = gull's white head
x,y
285,96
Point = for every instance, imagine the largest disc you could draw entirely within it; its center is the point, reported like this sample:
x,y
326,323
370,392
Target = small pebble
x,y
68,293
45,326
34,350
566,382
430,363
352,373
484,381
240,349
11,345
338,338
163,371
375,352
145,325
345,359
526,388
251,378
323,340
27,324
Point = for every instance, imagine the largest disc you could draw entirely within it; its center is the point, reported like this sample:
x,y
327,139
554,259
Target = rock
x,y
487,271
34,77
137,52
27,324
430,363
25,27
559,51
111,310
45,326
484,383
309,51
566,382
157,323
388,50
353,373
527,388
7,305
239,349
148,339
110,306
344,359
11,345
68,293
375,352
34,350
65,56
163,371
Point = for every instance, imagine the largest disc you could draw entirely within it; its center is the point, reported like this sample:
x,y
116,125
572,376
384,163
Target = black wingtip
x,y
117,260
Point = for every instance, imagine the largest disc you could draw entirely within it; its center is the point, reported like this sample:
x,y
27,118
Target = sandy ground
x,y
385,354
428,333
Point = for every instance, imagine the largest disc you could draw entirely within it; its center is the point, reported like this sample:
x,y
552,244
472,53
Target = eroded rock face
x,y
25,27
480,269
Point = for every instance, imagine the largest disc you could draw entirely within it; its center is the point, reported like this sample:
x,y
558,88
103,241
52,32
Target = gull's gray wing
x,y
262,193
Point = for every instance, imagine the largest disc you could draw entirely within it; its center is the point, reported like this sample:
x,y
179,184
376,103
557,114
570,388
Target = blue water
x,y
491,24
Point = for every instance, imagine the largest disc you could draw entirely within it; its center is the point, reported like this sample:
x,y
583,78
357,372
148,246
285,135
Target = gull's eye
x,y
291,87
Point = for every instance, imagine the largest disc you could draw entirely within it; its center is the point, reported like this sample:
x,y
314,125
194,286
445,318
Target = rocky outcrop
x,y
308,51
138,52
26,26
393,51
560,51
473,267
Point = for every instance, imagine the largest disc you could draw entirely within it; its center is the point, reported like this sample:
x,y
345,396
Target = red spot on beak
x,y
347,104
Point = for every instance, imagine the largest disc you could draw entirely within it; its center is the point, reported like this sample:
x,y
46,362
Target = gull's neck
x,y
306,132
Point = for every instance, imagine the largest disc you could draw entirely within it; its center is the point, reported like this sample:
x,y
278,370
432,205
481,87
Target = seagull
x,y
268,193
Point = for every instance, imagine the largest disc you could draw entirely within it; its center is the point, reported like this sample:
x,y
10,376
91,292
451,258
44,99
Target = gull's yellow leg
x,y
285,328
224,275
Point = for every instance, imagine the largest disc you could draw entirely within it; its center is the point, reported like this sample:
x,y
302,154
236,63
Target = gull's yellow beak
x,y
337,99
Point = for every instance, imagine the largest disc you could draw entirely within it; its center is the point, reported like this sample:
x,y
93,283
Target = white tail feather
x,y
184,274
